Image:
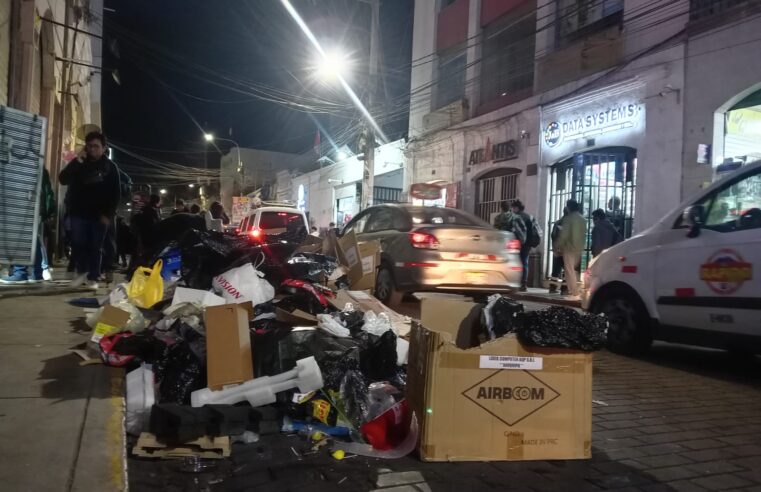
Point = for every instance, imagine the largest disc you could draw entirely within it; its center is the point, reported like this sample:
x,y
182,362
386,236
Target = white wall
x,y
424,66
722,65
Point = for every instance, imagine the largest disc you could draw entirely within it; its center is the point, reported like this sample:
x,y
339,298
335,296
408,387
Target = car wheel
x,y
385,288
628,330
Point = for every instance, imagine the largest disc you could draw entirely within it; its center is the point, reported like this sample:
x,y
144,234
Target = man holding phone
x,y
93,182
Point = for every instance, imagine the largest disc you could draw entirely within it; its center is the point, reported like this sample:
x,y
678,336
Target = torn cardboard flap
x,y
360,259
295,317
112,320
148,446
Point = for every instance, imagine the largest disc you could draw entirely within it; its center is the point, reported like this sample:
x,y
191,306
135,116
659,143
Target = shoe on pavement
x,y
92,284
79,280
13,279
47,274
522,288
34,281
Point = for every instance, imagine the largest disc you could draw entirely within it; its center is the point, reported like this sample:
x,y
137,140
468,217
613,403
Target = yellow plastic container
x,y
146,287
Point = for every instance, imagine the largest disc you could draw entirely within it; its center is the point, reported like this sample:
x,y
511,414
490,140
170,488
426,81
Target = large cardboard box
x,y
228,345
361,259
496,401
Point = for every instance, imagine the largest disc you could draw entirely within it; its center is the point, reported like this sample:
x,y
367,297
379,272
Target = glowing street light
x,y
341,155
191,185
332,66
209,137
162,191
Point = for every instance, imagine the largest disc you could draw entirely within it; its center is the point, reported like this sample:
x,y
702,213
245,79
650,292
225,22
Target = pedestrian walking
x,y
503,219
180,208
526,230
19,274
93,195
217,211
557,254
571,242
604,233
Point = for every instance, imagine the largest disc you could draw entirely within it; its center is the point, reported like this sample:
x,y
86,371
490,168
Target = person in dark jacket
x,y
179,207
521,224
93,196
604,233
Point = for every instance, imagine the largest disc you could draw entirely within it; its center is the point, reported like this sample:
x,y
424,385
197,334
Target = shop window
x,y
578,18
450,81
508,54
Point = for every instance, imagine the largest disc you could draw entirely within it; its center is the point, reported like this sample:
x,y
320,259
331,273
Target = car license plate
x,y
475,277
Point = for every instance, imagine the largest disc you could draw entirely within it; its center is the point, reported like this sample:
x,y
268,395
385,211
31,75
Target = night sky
x,y
218,61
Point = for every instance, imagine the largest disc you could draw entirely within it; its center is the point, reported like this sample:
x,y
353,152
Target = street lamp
x,y
191,185
332,66
210,138
341,155
162,191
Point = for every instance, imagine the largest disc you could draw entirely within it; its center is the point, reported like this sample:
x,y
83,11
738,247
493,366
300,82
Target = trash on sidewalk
x,y
228,345
140,398
499,400
106,321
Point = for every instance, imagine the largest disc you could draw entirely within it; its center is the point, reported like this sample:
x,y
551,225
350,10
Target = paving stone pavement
x,y
682,419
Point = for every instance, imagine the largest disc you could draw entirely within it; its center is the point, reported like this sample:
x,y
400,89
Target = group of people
x,y
568,236
97,236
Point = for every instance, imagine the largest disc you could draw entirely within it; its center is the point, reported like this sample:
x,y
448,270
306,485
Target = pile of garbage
x,y
224,340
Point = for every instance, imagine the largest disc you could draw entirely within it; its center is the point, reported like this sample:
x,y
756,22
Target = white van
x,y
271,221
694,277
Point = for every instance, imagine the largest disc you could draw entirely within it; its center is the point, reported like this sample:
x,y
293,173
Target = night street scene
x,y
380,245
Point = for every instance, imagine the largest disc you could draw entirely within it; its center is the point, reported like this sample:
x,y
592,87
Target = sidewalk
x,y
60,423
542,295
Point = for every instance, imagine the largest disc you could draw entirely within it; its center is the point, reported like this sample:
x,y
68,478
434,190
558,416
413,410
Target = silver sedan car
x,y
437,249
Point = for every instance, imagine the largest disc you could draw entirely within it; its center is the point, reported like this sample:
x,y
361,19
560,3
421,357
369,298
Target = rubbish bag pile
x,y
238,339
555,326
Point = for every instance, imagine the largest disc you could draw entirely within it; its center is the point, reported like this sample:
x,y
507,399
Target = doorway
x,y
493,188
603,178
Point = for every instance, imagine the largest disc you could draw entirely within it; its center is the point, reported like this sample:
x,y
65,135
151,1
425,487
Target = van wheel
x,y
628,330
385,288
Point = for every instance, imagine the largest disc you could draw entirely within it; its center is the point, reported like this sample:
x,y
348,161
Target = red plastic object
x,y
390,428
107,353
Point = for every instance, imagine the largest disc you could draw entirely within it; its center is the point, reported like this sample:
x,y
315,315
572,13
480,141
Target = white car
x,y
694,277
269,221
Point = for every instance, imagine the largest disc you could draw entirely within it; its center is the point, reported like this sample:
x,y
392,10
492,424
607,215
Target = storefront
x,y
737,133
494,159
590,146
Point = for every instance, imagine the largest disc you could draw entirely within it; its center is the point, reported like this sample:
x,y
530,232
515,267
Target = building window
x,y
508,54
450,84
700,9
578,18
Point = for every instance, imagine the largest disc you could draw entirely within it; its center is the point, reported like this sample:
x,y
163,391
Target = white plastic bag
x,y
377,324
329,324
242,284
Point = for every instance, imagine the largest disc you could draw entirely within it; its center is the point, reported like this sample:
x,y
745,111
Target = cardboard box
x,y
112,320
228,345
361,259
496,401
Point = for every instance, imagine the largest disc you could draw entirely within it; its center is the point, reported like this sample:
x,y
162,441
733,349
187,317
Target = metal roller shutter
x,y
22,152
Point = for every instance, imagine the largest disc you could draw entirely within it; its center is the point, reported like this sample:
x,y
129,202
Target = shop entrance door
x,y
494,187
603,178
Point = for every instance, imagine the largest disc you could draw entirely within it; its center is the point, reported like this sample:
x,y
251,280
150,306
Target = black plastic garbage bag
x,y
312,267
178,373
143,345
562,327
500,316
378,360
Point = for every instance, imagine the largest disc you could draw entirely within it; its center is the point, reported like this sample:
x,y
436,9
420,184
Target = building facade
x,y
624,105
333,192
53,71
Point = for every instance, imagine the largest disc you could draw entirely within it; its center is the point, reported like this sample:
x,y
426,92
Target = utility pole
x,y
368,177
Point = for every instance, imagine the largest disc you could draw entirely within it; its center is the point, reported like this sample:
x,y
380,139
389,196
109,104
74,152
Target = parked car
x,y
437,249
690,278
268,221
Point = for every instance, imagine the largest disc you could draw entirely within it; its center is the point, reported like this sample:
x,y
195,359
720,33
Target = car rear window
x,y
279,220
444,216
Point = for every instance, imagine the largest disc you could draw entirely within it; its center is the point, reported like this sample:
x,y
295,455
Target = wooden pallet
x,y
204,447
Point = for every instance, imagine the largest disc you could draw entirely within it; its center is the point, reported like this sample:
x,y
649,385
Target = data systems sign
x,y
593,123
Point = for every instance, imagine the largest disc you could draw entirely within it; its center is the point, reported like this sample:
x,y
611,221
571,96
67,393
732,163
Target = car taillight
x,y
513,246
255,233
423,240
